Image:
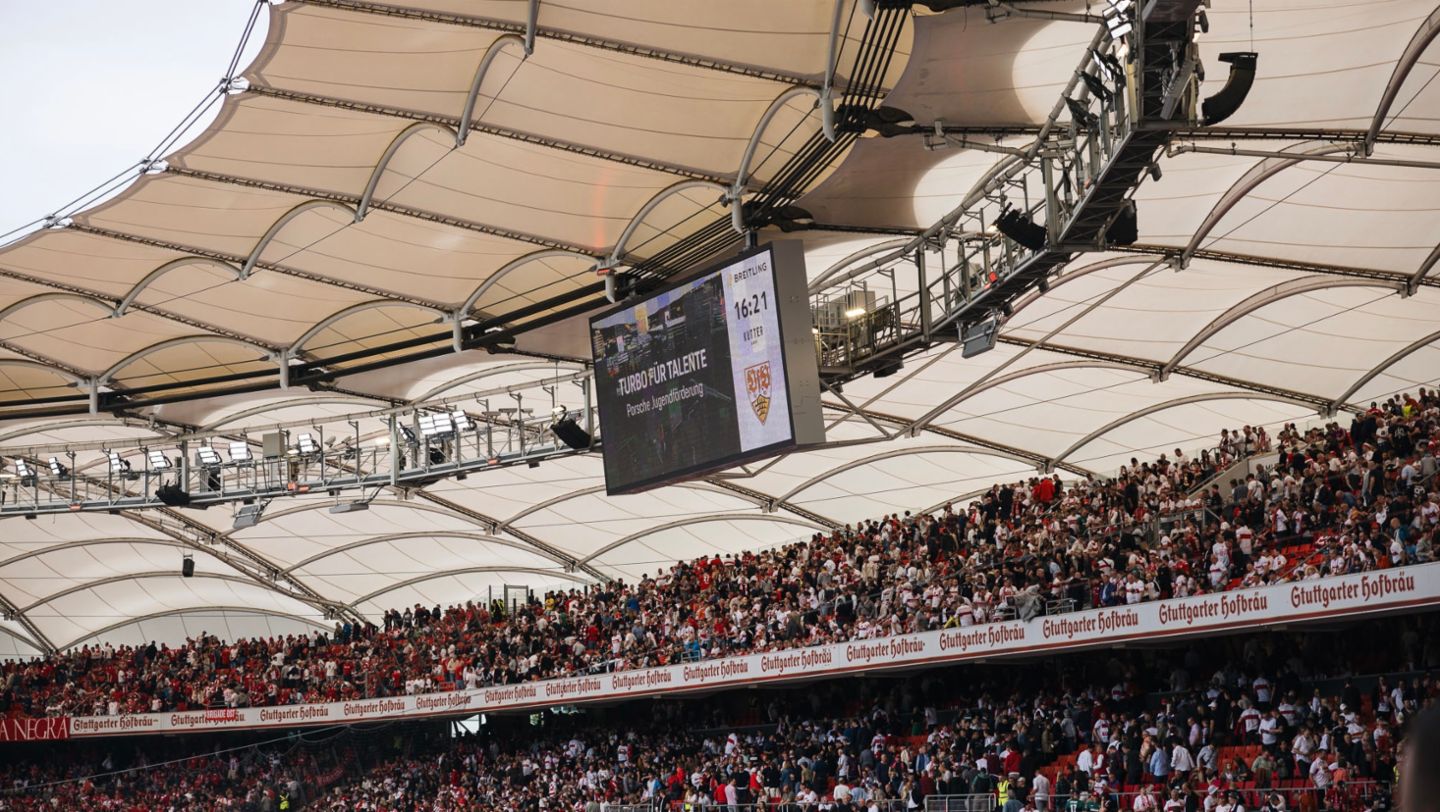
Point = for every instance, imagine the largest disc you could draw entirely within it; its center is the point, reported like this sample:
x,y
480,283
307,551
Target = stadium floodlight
x,y
248,516
433,425
307,445
118,464
1118,18
207,456
58,469
461,420
158,460
240,451
23,469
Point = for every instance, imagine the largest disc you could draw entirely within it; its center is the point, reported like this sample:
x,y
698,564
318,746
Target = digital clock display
x,y
694,377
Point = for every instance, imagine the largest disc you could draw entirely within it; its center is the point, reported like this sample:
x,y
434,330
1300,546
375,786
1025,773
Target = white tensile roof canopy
x,y
385,171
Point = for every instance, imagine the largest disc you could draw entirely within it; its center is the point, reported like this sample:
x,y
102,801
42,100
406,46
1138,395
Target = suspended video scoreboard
x,y
708,373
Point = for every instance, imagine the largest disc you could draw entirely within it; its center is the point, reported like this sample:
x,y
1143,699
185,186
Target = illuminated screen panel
x,y
707,373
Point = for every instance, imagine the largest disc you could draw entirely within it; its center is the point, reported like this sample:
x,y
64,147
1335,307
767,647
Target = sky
x,y
88,87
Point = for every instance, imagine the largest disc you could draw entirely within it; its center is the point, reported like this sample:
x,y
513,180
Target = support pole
x,y
532,19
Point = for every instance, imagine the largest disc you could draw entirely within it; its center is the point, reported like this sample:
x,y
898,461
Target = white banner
x,y
1325,599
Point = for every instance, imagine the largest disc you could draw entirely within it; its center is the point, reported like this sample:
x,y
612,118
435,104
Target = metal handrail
x,y
1051,183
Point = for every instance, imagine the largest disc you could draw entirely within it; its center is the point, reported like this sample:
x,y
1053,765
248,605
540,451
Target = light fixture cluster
x,y
1120,17
444,424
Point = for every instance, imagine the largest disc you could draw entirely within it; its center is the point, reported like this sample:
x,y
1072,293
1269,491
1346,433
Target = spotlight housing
x,y
158,461
1018,226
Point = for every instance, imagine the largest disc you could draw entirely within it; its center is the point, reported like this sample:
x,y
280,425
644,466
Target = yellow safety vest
x,y
1003,792
284,802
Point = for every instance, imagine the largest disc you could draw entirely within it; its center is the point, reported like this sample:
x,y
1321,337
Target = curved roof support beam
x,y
107,375
1253,178
37,639
347,312
484,538
483,524
617,254
855,256
30,364
1423,271
467,115
150,278
55,295
363,207
534,256
70,545
136,576
1408,59
83,423
420,579
899,452
1265,298
490,372
1115,262
253,258
1160,407
247,610
576,494
742,174
39,649
722,517
318,400
1397,357
987,384
420,506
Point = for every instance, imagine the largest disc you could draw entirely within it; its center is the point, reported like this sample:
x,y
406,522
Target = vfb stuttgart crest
x,y
757,385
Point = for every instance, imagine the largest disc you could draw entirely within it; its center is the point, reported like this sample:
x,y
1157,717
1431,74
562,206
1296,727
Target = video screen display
x,y
693,378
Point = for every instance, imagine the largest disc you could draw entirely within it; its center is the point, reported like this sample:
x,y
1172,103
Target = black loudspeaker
x,y
1018,226
571,434
187,568
1125,229
1222,105
172,495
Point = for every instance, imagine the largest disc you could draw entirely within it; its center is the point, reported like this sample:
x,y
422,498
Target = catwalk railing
x,y
351,456
1066,189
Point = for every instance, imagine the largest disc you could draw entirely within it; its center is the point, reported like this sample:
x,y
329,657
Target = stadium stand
x,y
1278,721
1336,501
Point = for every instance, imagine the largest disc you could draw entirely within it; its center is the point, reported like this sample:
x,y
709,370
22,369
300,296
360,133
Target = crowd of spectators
x,y
1287,722
1336,500
171,777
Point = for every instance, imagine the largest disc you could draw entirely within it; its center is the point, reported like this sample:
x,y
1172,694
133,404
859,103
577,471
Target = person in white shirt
x,y
1101,729
1270,729
1180,760
1320,771
1261,687
1250,723
1134,589
1041,792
